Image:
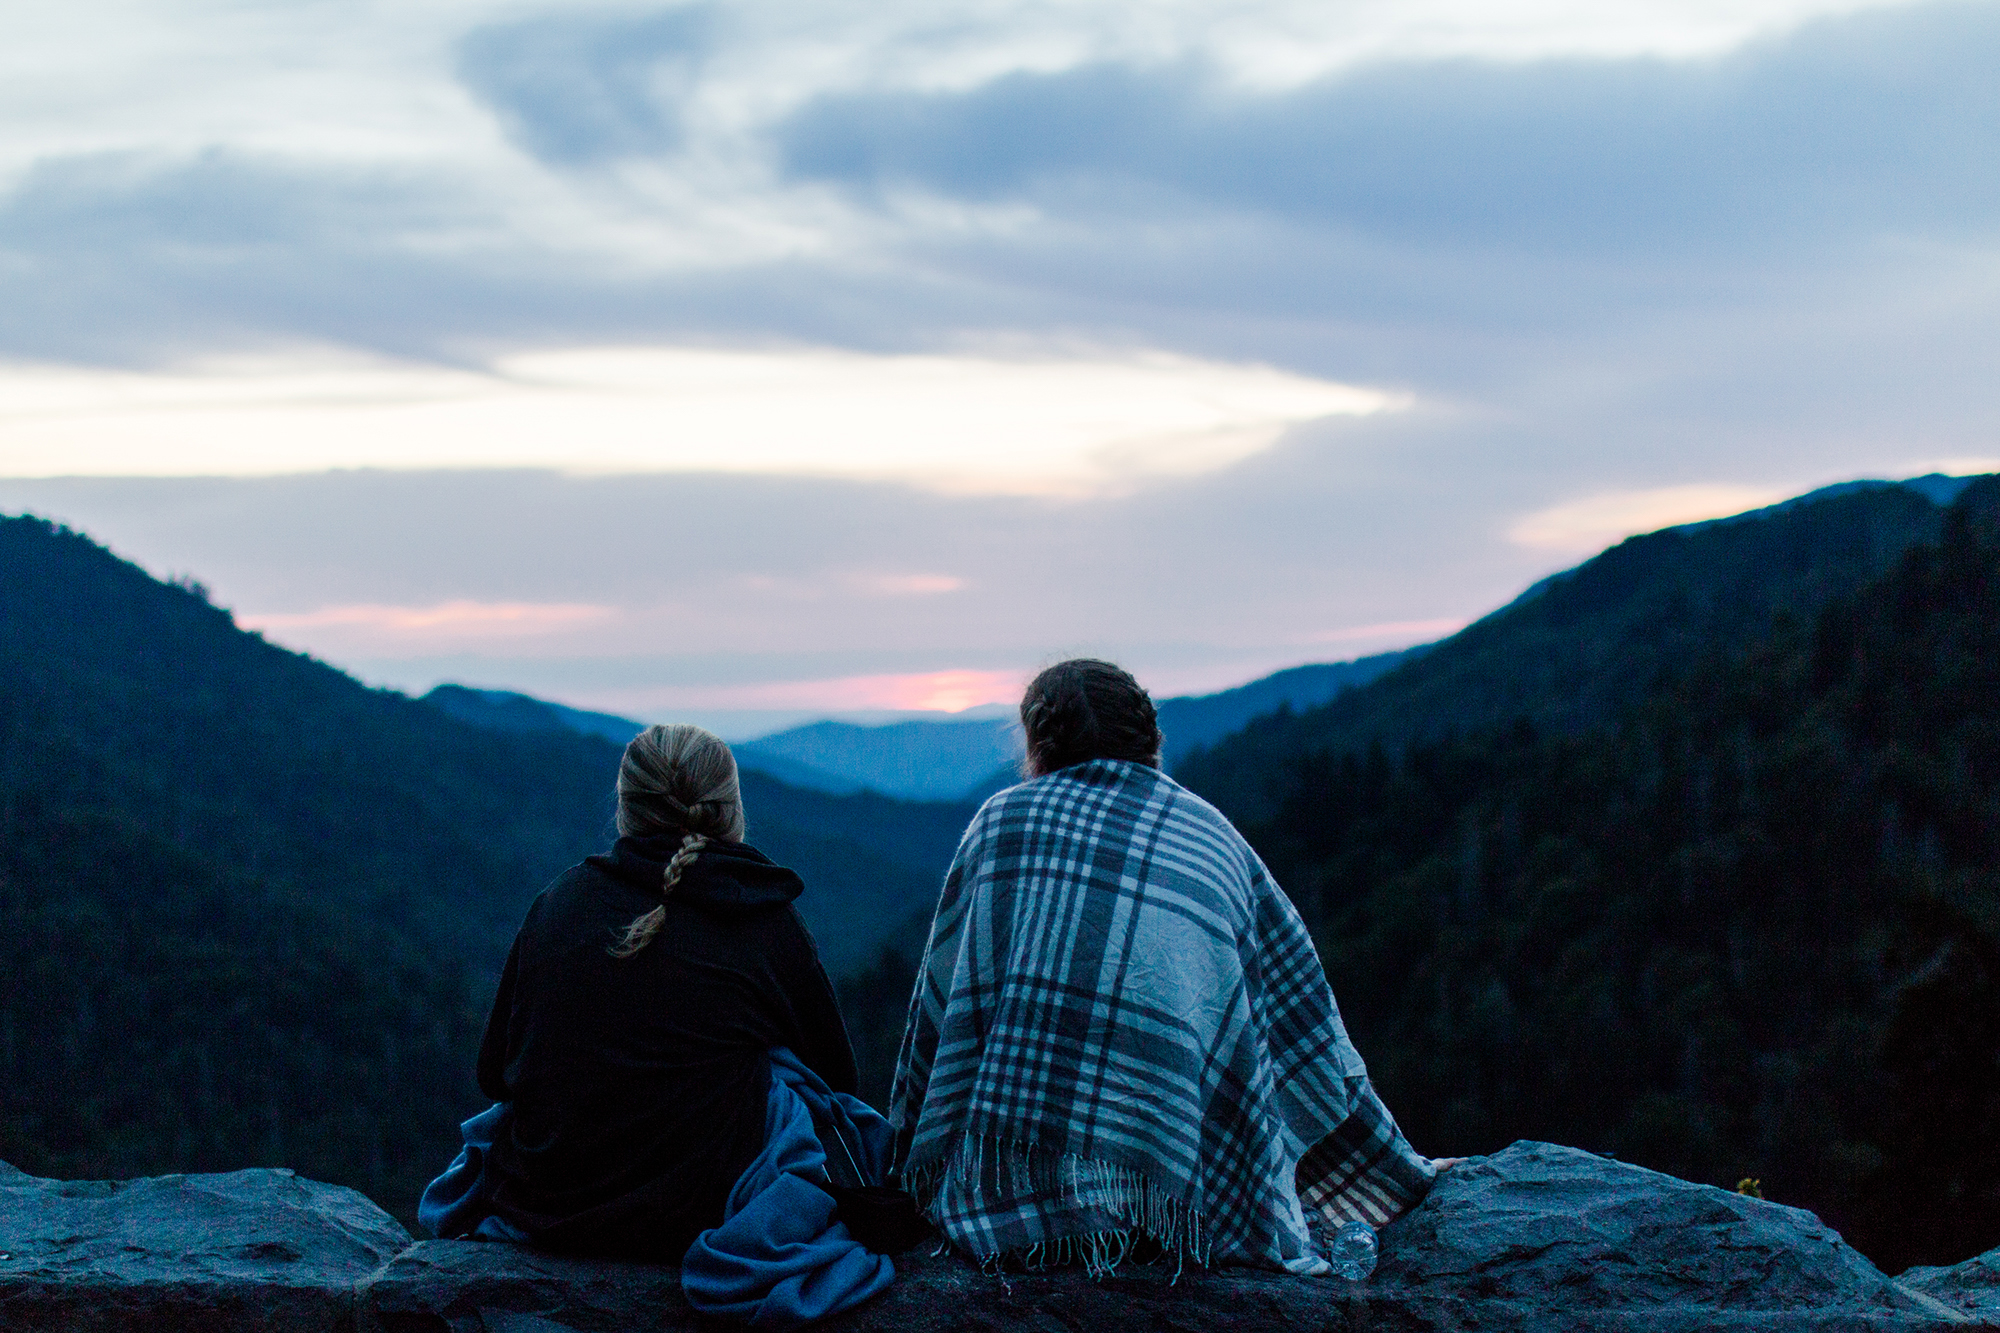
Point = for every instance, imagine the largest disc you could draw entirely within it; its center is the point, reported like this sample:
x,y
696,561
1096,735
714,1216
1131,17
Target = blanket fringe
x,y
997,1168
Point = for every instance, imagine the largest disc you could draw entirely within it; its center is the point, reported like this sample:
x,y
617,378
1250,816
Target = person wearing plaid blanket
x,y
1121,1040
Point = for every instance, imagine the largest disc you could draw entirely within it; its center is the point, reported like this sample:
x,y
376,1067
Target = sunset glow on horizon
x,y
919,691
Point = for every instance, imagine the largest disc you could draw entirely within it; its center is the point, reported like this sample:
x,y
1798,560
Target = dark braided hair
x,y
1084,709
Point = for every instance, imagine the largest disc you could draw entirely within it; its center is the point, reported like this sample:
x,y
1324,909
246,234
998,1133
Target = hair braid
x,y
678,779
640,931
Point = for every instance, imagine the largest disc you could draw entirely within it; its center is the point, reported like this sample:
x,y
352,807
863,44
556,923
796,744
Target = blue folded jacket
x,y
780,1258
458,1203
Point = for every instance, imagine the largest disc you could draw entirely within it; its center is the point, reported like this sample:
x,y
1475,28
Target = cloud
x,y
1581,527
578,90
1083,422
1594,252
913,585
147,256
1850,126
1423,222
371,628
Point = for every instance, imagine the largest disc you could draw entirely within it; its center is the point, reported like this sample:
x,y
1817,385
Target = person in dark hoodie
x,y
628,1044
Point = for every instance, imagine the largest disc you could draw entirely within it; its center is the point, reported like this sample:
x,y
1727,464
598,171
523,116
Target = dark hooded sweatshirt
x,y
638,1084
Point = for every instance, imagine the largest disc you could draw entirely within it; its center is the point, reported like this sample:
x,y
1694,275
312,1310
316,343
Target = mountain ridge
x,y
1579,644
955,761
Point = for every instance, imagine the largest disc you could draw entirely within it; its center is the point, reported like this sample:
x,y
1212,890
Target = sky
x,y
753,361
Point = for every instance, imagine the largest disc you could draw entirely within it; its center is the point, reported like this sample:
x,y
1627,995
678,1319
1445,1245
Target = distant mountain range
x,y
506,710
919,760
1196,720
945,760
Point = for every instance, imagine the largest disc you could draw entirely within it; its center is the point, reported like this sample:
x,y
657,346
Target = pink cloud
x,y
454,620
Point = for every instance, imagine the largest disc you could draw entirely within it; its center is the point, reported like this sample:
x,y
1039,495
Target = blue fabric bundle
x,y
780,1258
458,1203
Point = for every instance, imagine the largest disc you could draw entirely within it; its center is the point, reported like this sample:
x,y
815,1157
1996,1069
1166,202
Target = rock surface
x,y
474,1287
1973,1286
215,1253
1536,1237
1540,1236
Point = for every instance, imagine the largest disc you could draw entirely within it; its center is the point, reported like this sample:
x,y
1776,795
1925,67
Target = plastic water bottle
x,y
1352,1251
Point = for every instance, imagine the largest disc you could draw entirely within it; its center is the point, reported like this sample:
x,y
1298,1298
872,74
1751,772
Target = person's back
x,y
630,1036
638,1083
1121,1034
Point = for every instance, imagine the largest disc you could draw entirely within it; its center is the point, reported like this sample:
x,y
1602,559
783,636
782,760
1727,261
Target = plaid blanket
x,y
1121,1030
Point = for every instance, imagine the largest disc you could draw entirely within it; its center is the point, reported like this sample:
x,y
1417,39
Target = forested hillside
x,y
1749,925
874,863
1192,721
1573,650
250,910
247,907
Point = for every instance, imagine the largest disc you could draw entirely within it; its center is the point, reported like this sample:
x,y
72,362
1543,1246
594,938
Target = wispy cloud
x,y
872,177
1584,526
578,90
1032,425
913,585
1874,124
426,628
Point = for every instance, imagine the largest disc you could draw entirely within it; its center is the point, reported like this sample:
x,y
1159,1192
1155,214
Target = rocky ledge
x,y
1536,1237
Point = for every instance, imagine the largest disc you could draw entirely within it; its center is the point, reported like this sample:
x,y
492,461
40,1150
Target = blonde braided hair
x,y
640,930
678,778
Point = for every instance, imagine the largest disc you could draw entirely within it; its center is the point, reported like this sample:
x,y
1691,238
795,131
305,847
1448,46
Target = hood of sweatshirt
x,y
724,877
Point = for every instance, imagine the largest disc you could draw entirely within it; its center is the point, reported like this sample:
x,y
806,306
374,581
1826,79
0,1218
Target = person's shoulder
x,y
733,879
1195,821
1191,806
586,888
586,876
1007,798
1006,804
1150,785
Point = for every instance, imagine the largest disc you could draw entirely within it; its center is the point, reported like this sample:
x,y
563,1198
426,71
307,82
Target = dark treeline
x,y
158,1012
1750,927
249,909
